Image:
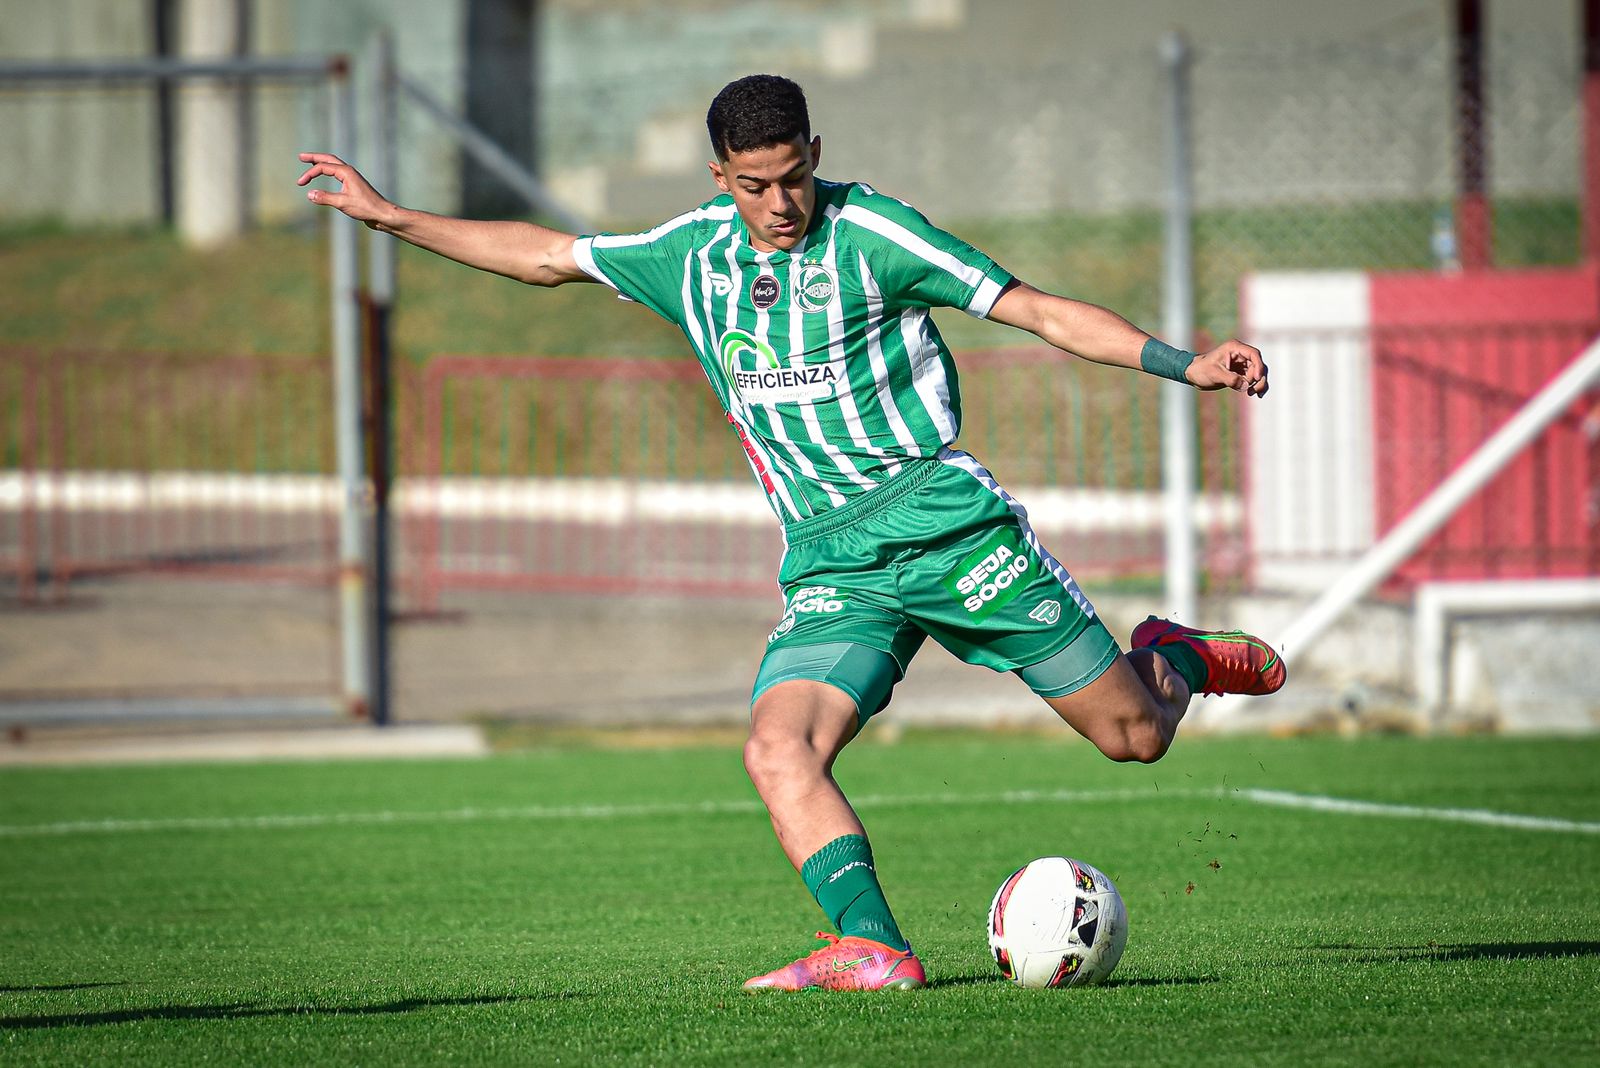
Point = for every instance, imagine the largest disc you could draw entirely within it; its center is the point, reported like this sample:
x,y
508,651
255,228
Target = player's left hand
x,y
1231,365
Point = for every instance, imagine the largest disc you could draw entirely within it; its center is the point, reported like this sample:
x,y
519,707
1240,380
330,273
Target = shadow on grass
x,y
246,1012
1434,951
994,978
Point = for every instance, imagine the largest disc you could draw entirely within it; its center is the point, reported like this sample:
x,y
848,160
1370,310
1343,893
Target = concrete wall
x,y
91,154
85,155
429,43
1008,106
1037,106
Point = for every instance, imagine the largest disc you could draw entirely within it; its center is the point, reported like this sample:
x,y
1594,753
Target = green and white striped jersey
x,y
824,356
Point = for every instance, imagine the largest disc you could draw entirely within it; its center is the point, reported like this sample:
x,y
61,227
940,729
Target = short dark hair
x,y
757,111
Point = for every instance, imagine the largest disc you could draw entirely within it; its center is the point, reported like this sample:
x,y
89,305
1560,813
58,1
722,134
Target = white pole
x,y
355,618
1436,509
210,149
384,162
1177,323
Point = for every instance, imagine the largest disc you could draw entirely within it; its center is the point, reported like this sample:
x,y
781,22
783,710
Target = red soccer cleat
x,y
1236,662
850,963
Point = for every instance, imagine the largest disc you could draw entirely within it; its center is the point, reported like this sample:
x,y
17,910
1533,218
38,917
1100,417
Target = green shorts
x,y
942,551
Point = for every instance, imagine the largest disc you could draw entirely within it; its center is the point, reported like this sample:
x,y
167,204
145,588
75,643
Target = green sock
x,y
1186,662
841,877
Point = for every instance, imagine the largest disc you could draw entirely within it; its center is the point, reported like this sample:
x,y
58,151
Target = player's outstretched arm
x,y
527,252
1094,333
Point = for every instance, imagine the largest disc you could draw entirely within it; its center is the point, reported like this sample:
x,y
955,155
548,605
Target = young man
x,y
807,302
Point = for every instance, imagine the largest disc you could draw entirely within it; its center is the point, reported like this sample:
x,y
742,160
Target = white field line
x,y
1276,798
607,501
1484,817
571,812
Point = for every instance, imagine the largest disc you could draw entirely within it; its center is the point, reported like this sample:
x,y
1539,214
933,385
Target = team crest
x,y
815,289
764,291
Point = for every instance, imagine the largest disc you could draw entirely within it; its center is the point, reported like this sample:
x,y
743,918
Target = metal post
x,y
384,163
28,565
1177,324
1474,223
492,157
380,356
1590,91
355,618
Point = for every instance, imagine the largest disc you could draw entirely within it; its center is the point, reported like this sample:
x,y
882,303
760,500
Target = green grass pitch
x,y
587,905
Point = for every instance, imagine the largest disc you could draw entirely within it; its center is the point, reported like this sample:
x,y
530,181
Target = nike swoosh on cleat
x,y
846,965
1272,657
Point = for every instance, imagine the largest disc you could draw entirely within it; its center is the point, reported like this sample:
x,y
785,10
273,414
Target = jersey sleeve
x,y
646,267
916,264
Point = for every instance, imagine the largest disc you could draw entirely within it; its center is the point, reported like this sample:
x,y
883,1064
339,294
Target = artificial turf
x,y
578,905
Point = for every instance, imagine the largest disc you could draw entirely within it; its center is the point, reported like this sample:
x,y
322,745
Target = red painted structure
x,y
1453,357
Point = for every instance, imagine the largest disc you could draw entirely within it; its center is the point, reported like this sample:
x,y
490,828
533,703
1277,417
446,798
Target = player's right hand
x,y
355,196
1231,365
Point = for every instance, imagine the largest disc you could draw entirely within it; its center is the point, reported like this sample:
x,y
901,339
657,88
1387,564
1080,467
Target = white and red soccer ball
x,y
1057,922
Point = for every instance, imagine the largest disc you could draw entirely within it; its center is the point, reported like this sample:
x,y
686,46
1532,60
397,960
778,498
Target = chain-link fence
x,y
196,445
1037,133
1318,158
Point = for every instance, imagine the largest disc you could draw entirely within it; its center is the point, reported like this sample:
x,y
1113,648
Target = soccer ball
x,y
1057,922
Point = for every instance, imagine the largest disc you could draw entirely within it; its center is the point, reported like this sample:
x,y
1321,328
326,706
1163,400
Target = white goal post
x,y
1439,602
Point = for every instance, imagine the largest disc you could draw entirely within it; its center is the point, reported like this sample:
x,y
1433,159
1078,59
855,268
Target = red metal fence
x,y
1439,393
610,475
622,475
141,467
116,462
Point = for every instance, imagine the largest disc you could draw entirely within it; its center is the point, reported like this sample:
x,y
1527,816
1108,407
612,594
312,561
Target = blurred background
x,y
259,465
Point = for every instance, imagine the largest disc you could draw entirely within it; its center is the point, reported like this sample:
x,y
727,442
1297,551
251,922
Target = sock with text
x,y
841,877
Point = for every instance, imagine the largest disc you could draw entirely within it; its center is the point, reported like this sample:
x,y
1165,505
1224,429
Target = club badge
x,y
815,289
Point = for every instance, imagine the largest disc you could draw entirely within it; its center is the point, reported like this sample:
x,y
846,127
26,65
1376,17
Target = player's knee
x,y
772,755
1148,746
1136,741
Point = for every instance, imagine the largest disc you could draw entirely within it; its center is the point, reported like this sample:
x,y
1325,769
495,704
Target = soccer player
x,y
806,302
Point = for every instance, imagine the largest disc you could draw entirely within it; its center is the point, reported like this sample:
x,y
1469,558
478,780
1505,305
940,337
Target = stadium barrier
x,y
160,466
621,475
1447,389
1384,383
187,465
526,473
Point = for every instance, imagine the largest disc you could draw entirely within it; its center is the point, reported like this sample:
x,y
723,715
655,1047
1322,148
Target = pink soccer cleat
x,y
1236,662
850,963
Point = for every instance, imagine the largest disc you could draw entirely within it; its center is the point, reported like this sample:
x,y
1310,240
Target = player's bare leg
x,y
797,730
1131,712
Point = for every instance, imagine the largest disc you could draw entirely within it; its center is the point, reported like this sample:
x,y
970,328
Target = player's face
x,y
773,190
